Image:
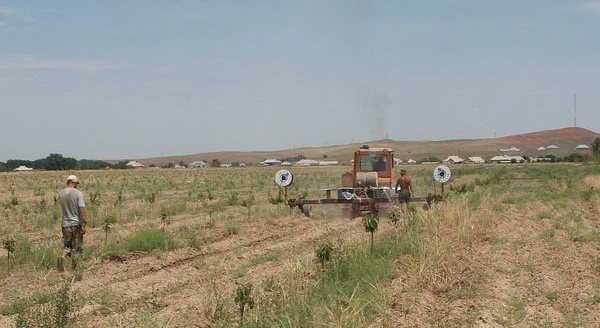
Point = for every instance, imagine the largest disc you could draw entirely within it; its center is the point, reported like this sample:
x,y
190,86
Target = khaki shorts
x,y
73,239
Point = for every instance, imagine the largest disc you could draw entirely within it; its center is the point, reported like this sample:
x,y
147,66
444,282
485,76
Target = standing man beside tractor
x,y
406,190
72,206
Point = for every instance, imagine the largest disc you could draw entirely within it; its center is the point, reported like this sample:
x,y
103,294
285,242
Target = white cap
x,y
72,178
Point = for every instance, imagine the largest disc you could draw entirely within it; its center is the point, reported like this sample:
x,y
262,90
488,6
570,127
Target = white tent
x,y
286,163
271,162
552,147
198,164
134,164
23,168
541,148
411,161
582,147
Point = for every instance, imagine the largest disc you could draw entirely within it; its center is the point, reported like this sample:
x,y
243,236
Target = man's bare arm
x,y
82,215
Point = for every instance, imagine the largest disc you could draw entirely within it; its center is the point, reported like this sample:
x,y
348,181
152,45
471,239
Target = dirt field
x,y
512,246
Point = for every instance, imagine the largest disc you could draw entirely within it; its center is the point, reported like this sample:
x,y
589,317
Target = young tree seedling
x,y
9,246
371,223
164,218
248,203
324,252
243,299
107,226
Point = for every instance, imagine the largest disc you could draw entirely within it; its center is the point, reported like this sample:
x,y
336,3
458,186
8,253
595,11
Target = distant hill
x,y
566,139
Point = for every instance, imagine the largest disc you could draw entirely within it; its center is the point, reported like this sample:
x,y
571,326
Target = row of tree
x,y
55,162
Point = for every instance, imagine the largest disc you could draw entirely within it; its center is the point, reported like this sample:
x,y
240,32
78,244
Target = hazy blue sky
x,y
124,79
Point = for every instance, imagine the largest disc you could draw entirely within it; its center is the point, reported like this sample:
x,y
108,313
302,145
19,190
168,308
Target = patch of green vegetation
x,y
173,208
232,228
347,288
41,257
21,304
242,270
142,241
552,296
108,301
544,215
596,264
514,312
572,317
475,200
581,233
548,234
595,297
191,236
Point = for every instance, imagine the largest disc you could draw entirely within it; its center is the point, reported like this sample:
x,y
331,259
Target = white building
x,y
134,164
23,168
476,160
307,162
454,160
517,159
500,159
541,159
328,163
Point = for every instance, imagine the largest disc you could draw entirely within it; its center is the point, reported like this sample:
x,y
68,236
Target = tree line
x,y
57,162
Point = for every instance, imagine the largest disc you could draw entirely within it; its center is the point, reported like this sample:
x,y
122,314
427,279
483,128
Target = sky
x,y
129,79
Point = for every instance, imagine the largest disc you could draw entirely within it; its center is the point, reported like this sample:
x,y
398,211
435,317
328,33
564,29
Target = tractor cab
x,y
373,167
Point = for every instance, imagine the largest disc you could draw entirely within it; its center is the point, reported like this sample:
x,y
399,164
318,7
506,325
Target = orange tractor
x,y
369,185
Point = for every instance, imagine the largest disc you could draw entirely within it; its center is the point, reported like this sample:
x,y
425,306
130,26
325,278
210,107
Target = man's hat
x,y
72,178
